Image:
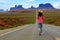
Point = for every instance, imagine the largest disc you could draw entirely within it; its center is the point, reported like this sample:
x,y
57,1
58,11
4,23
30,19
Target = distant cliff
x,y
19,7
45,6
41,6
1,10
32,7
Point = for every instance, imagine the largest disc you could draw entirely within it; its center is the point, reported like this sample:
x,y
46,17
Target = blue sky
x,y
6,4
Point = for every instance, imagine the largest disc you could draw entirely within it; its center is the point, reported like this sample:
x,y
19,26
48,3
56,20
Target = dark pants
x,y
40,27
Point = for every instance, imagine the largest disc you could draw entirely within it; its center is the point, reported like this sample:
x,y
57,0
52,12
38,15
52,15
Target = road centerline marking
x,y
46,29
57,38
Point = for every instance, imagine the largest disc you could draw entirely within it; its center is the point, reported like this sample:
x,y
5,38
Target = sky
x,y
6,4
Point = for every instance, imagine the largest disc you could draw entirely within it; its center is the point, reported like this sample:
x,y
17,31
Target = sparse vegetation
x,y
16,18
52,17
22,17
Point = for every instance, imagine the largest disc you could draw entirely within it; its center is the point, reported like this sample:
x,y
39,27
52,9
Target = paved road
x,y
30,32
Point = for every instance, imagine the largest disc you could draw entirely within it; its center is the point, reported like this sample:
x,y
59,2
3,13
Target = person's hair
x,y
40,14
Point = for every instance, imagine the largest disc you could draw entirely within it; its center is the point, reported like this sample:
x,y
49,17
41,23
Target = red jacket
x,y
40,19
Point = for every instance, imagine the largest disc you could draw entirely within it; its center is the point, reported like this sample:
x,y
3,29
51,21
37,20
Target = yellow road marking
x,y
57,38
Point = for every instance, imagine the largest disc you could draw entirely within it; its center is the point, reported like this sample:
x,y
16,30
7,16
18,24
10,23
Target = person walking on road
x,y
40,21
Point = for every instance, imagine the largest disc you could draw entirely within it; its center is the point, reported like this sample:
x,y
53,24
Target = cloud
x,y
3,1
6,4
26,5
56,5
31,0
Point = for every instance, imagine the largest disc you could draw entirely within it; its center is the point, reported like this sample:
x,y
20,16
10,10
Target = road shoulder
x,y
12,29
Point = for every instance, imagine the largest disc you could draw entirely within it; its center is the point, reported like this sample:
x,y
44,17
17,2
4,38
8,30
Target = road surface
x,y
50,32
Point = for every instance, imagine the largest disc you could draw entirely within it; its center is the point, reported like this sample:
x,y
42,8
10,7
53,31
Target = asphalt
x,y
50,32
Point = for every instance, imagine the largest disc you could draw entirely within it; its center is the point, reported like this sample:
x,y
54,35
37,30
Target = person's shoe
x,y
40,34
